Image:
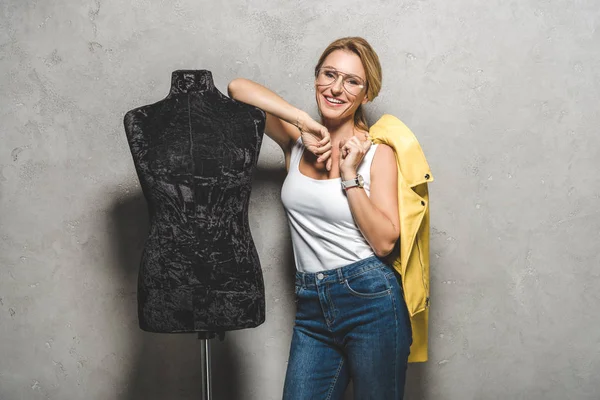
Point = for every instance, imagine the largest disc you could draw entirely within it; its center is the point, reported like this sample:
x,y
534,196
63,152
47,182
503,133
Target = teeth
x,y
334,100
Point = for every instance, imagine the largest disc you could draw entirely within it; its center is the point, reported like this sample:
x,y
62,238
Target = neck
x,y
339,129
191,81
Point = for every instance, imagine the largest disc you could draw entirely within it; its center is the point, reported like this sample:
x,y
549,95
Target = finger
x,y
324,141
345,150
325,156
366,145
311,147
329,163
355,140
323,149
351,144
360,146
355,144
325,135
342,152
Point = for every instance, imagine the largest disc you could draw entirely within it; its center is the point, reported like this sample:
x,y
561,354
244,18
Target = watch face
x,y
360,180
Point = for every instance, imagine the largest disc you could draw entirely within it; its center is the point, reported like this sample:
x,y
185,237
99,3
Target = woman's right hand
x,y
316,139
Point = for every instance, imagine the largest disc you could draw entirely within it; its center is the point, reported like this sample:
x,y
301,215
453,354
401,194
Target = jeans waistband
x,y
307,279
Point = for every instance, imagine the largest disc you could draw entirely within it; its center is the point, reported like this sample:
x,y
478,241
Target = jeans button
x,y
320,276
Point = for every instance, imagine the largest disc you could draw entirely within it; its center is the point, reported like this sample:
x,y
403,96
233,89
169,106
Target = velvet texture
x,y
194,153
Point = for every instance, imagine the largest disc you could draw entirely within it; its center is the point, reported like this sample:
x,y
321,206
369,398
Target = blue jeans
x,y
351,323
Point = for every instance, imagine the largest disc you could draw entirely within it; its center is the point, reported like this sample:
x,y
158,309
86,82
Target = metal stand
x,y
204,338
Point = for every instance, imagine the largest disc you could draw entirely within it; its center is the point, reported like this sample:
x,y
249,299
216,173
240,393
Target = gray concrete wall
x,y
503,97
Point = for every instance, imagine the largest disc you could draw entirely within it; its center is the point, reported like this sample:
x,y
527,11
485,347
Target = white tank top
x,y
324,234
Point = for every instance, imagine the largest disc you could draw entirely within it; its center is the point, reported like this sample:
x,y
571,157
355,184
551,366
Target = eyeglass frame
x,y
362,86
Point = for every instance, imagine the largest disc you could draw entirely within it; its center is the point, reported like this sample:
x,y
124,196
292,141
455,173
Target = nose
x,y
337,85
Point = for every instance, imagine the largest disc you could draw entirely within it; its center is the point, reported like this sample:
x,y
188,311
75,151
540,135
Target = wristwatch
x,y
358,181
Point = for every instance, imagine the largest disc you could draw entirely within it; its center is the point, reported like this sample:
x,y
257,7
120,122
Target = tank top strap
x,y
368,159
296,155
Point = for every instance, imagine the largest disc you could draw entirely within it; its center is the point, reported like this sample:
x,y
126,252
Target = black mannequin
x,y
194,153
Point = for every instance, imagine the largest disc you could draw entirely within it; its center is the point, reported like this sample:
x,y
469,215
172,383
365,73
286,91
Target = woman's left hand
x,y
352,152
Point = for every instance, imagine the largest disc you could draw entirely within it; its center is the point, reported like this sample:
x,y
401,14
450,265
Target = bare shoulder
x,y
384,156
384,163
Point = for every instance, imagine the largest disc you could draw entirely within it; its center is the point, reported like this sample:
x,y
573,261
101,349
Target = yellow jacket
x,y
412,262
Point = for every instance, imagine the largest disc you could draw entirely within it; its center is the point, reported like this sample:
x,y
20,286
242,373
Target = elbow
x,y
232,88
383,252
385,248
237,87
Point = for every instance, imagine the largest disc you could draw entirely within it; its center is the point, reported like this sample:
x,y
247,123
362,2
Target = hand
x,y
352,152
316,139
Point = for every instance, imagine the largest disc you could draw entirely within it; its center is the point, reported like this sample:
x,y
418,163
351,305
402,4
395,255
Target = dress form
x,y
194,154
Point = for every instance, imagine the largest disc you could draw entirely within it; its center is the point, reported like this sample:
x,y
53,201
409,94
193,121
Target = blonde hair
x,y
370,62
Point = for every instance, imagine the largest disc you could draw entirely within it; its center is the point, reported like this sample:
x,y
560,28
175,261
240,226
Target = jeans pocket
x,y
369,284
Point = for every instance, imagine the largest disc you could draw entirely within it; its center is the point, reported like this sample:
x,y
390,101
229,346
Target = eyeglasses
x,y
352,83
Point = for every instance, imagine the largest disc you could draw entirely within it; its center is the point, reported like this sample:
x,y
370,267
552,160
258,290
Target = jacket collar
x,y
411,160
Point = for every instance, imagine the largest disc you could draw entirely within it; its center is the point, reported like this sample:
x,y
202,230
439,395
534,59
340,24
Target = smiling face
x,y
334,101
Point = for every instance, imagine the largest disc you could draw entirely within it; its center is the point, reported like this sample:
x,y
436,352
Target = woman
x,y
341,199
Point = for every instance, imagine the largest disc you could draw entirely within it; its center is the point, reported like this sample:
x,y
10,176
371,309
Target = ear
x,y
364,100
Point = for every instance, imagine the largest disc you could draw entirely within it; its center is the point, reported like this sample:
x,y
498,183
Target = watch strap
x,y
352,182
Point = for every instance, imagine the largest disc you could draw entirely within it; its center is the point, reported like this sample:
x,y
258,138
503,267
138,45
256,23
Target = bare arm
x,y
281,116
377,216
284,121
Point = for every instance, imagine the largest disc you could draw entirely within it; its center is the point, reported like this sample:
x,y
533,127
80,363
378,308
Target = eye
x,y
330,74
353,82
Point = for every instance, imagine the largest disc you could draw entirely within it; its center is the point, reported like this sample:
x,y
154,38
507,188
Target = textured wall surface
x,y
503,96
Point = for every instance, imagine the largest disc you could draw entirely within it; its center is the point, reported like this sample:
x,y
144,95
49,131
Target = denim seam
x,y
370,295
297,290
364,270
335,378
331,305
377,295
395,342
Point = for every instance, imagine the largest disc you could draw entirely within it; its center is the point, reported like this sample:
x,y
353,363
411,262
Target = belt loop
x,y
340,275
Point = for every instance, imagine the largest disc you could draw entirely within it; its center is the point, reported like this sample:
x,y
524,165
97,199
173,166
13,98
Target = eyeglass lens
x,y
352,84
